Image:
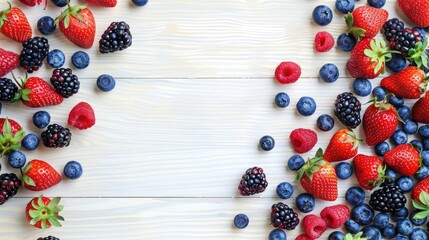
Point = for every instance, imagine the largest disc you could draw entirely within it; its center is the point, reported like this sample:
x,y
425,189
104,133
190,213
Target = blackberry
x,y
283,217
117,37
9,186
388,199
34,52
405,40
8,89
48,238
391,27
347,109
253,182
65,82
56,136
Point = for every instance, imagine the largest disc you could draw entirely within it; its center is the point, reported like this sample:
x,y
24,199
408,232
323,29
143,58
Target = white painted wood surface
x,y
194,94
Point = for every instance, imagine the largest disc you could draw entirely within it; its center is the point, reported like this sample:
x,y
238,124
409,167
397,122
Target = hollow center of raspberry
x,y
288,71
296,143
319,229
322,41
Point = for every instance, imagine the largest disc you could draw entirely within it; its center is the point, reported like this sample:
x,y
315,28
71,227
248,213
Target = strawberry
x,y
11,134
314,226
39,175
335,216
8,61
14,24
420,110
366,21
408,83
82,116
421,186
404,159
416,10
78,25
42,212
367,58
318,178
33,3
379,122
343,145
369,171
103,3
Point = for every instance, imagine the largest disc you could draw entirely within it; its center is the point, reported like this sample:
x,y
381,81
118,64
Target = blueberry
x,y
284,190
371,233
241,221
425,157
352,226
399,137
381,148
390,176
56,58
282,100
325,122
306,106
336,235
376,3
41,119
404,227
266,143
344,170
355,196
30,142
425,143
405,183
106,83
60,3
389,232
296,162
73,170
80,59
410,126
417,221
345,6
381,220
305,202
418,234
362,87
404,112
417,144
379,93
362,214
400,238
277,234
140,3
424,131
17,159
396,63
422,173
322,15
400,215
397,102
46,25
346,42
329,73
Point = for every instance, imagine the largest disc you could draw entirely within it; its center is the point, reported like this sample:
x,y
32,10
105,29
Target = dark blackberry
x,y
253,182
388,199
8,89
283,217
405,40
9,186
32,55
117,37
391,27
56,136
48,238
65,82
347,109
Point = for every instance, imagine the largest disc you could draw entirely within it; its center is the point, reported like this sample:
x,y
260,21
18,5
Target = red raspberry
x,y
335,216
303,140
287,72
82,116
314,226
303,237
323,41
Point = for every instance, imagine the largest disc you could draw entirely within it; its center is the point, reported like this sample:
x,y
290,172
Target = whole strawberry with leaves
x,y
43,212
39,175
420,110
11,134
366,21
369,171
416,10
343,145
404,159
410,83
14,24
318,178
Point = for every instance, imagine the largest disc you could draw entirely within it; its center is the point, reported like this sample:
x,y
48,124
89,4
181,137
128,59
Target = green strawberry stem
x,y
3,14
380,177
22,92
422,206
418,54
27,180
379,53
358,235
384,105
311,166
357,32
10,142
352,139
46,213
71,10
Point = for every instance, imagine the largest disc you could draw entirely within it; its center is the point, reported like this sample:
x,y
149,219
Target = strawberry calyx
x,y
46,214
357,236
311,166
350,137
423,87
22,92
422,205
27,180
418,54
384,105
379,53
3,14
73,11
357,32
9,141
380,177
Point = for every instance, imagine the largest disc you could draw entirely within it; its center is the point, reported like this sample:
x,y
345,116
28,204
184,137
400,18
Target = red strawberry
x,y
323,41
103,3
416,10
303,140
11,134
39,175
366,21
379,122
33,3
42,212
421,186
314,226
8,61
335,216
420,110
287,72
14,24
303,237
36,92
82,116
408,83
369,171
78,25
367,58
318,178
404,159
343,145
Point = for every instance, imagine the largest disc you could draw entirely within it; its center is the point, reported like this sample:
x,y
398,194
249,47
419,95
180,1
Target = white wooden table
x,y
194,95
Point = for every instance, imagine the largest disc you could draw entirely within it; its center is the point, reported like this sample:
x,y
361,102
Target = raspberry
x,y
287,72
303,140
335,216
82,116
314,226
303,237
323,41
